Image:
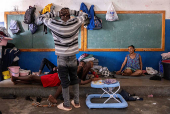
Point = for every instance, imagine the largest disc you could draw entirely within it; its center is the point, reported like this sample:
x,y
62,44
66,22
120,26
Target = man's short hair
x,y
63,9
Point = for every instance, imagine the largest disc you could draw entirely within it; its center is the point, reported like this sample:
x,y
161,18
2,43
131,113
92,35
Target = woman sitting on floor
x,y
134,64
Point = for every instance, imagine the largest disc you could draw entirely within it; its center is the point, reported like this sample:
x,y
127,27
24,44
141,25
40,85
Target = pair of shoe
x,y
61,106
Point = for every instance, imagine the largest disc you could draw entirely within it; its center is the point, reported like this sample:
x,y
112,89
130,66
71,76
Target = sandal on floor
x,y
61,106
37,104
72,102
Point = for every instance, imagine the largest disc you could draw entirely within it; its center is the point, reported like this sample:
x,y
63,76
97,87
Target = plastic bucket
x,y
166,69
14,71
24,72
4,41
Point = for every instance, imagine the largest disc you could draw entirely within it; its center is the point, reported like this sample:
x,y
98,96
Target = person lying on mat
x,y
52,80
133,62
53,68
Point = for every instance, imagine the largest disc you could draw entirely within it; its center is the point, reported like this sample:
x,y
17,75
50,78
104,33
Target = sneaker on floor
x,y
72,102
61,106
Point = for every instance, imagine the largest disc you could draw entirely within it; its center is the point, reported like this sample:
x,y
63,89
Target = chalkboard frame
x,y
38,50
125,49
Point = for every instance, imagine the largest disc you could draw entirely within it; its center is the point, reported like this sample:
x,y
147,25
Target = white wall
x,y
100,5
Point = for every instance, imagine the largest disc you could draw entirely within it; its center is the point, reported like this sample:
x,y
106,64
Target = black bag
x,y
29,15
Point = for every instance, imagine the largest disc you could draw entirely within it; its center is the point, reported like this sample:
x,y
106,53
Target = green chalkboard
x,y
141,30
26,40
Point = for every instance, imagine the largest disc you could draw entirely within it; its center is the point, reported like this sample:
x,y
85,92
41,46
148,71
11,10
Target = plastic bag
x,y
111,14
151,71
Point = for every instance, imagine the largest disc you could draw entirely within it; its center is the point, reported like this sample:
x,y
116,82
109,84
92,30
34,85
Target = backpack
x,y
29,15
97,23
14,27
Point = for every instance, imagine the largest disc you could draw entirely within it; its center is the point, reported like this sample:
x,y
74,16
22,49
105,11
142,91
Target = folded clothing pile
x,y
86,57
165,56
96,67
4,32
96,62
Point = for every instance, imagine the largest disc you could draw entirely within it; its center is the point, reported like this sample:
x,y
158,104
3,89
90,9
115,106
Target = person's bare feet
x,y
52,99
123,74
118,73
13,80
75,105
62,107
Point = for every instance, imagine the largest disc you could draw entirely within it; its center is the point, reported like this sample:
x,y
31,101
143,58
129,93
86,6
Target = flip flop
x,y
72,102
10,96
60,106
37,104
